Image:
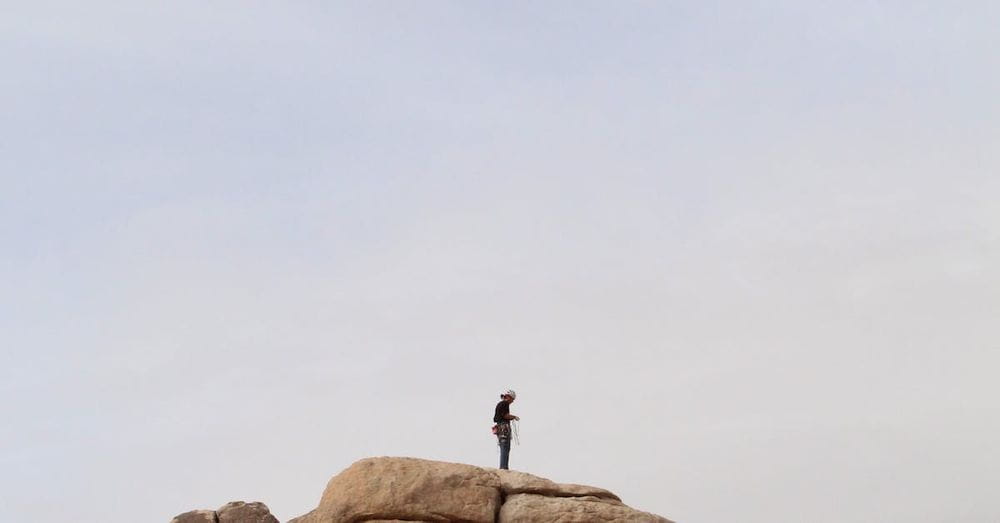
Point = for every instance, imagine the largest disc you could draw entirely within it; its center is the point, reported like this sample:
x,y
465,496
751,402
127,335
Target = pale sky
x,y
739,259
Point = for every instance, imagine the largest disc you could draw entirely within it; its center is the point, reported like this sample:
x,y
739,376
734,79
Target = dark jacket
x,y
500,414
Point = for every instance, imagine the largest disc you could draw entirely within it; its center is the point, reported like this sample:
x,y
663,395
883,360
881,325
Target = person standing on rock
x,y
502,417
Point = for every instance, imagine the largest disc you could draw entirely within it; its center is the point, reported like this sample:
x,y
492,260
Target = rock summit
x,y
416,490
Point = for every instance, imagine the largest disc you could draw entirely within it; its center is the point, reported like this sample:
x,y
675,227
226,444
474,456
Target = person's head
x,y
508,395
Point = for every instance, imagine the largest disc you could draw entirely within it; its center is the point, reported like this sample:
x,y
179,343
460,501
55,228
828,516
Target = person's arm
x,y
511,416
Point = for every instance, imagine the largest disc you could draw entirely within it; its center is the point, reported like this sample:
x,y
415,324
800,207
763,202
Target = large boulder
x,y
534,508
408,489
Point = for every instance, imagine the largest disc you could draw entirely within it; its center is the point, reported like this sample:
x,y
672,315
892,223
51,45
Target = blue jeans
x,y
504,452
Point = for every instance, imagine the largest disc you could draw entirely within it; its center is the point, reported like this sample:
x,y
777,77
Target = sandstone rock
x,y
408,489
196,516
515,482
240,512
534,508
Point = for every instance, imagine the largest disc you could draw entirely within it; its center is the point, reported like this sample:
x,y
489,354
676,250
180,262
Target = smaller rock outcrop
x,y
196,516
232,512
240,512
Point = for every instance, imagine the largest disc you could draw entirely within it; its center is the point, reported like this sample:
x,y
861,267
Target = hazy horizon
x,y
739,259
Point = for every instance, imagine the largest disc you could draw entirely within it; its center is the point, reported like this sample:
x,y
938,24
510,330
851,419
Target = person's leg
x,y
504,452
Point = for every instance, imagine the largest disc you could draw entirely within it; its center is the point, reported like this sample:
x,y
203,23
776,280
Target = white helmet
x,y
510,393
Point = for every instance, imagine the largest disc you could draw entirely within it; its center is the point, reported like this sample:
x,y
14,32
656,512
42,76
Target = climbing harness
x,y
507,431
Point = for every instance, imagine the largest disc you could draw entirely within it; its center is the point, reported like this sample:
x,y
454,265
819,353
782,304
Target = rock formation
x,y
383,490
232,512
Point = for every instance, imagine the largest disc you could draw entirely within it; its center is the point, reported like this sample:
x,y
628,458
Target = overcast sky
x,y
739,260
